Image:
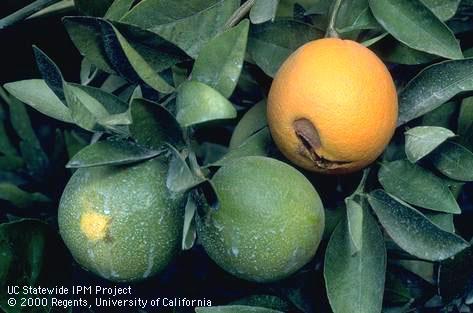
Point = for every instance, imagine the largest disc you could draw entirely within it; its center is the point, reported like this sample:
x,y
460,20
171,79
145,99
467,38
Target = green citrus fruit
x,y
121,223
269,223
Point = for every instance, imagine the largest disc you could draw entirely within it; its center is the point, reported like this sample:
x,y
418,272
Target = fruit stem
x,y
239,14
23,13
331,31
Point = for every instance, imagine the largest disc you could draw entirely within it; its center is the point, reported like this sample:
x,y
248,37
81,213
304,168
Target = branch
x,y
331,31
239,13
23,13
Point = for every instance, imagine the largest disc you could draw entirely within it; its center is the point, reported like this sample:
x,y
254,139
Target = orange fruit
x,y
332,107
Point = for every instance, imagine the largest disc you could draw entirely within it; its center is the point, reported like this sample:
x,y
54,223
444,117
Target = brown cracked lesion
x,y
309,143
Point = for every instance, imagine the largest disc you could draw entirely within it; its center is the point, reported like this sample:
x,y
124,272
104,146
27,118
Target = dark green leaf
x,y
21,198
234,309
412,231
393,51
465,118
263,11
50,72
442,220
454,161
355,283
455,275
118,9
434,86
444,9
257,144
188,25
93,8
443,116
74,143
422,140
86,34
250,123
180,176
220,61
400,17
270,44
111,152
198,103
26,260
37,94
417,186
365,20
153,125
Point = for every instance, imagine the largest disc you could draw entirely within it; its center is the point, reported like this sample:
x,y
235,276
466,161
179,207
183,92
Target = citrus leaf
x,y
86,34
412,230
355,224
253,121
454,161
198,103
434,86
188,25
21,198
257,144
50,72
422,140
444,9
417,186
110,152
270,44
355,283
465,118
118,9
234,309
220,61
37,94
442,220
263,11
93,8
180,177
400,17
189,232
153,125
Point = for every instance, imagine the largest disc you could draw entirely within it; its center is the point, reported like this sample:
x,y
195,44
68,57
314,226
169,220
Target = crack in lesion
x,y
310,141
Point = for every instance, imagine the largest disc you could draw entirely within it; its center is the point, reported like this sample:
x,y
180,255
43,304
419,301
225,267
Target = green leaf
x,y
443,9
21,198
422,140
443,116
442,220
153,125
92,108
270,44
257,144
118,9
50,72
111,152
400,17
355,283
465,118
220,61
253,121
26,260
145,57
417,186
37,94
234,309
434,86
412,230
93,8
74,143
355,224
86,34
198,103
263,11
365,20
454,161
188,25
189,232
180,176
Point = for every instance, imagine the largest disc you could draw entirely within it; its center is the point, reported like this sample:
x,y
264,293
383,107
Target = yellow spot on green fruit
x,y
94,225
